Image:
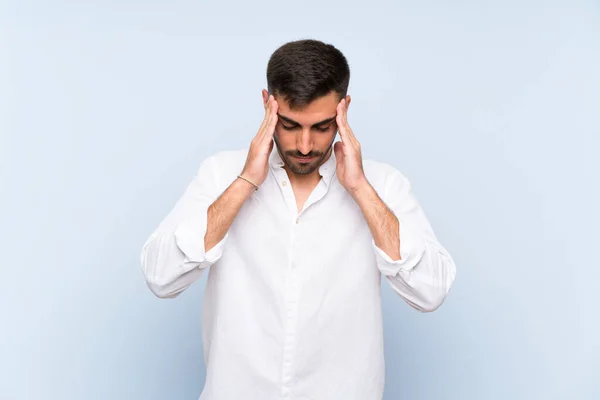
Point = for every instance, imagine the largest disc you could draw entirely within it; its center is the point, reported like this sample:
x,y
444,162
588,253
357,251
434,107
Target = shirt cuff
x,y
189,237
412,248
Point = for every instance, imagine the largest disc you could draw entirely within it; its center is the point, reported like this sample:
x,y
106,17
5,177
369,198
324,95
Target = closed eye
x,y
317,128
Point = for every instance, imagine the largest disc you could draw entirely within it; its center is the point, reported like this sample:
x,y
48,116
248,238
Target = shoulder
x,y
222,167
382,175
224,161
226,158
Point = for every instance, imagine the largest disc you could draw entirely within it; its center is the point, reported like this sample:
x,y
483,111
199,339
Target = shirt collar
x,y
326,170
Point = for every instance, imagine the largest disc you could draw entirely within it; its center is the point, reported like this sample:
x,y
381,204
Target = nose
x,y
304,142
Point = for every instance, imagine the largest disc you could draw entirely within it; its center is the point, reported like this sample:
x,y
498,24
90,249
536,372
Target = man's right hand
x,y
257,162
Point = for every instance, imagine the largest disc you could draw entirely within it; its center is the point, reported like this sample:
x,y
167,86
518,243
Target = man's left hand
x,y
349,166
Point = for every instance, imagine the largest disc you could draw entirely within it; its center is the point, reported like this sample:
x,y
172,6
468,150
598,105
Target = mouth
x,y
305,159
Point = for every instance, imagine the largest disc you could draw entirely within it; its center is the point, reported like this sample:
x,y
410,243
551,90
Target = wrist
x,y
250,181
362,190
243,187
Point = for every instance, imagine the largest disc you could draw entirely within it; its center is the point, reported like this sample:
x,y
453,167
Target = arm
x,y
382,222
192,236
419,269
408,254
223,211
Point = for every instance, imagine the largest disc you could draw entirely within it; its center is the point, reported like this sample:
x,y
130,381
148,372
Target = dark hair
x,y
304,70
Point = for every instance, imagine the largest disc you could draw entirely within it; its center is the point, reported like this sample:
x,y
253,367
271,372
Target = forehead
x,y
317,110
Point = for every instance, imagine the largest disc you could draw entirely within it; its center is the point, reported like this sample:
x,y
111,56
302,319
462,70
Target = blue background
x,y
491,109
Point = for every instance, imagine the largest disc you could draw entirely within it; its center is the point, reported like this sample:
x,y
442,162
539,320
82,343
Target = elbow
x,y
433,297
162,290
429,297
157,282
161,287
431,302
422,299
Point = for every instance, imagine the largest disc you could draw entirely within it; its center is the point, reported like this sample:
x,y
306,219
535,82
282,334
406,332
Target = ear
x,y
348,100
265,96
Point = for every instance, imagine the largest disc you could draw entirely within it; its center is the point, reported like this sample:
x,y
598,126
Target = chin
x,y
303,169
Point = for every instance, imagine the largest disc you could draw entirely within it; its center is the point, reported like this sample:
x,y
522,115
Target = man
x,y
297,240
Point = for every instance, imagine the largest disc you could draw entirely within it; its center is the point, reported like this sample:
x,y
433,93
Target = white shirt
x,y
292,308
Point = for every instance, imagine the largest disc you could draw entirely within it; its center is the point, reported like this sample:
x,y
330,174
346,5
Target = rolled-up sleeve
x,y
174,256
425,272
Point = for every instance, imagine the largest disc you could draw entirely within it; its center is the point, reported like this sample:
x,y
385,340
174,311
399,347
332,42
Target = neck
x,y
303,179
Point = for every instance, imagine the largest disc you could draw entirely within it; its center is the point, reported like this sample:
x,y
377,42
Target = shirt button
x,y
284,183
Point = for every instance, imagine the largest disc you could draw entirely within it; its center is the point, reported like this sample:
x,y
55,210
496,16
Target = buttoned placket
x,y
291,292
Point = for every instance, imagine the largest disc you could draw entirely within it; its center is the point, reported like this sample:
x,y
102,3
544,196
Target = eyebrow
x,y
291,121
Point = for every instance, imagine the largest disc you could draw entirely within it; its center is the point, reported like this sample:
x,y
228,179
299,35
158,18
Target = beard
x,y
304,168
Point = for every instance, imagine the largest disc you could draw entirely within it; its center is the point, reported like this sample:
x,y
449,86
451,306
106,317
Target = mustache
x,y
304,156
311,155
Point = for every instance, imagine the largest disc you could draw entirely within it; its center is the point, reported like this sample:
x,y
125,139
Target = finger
x,y
338,149
270,123
268,115
273,121
348,130
345,116
340,122
274,107
271,143
266,118
268,107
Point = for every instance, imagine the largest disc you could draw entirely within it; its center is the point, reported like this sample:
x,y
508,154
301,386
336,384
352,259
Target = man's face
x,y
307,133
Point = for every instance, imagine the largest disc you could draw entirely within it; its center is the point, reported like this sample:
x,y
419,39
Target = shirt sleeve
x,y
174,256
425,271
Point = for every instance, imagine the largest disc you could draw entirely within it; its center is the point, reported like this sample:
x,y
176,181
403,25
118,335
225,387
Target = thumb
x,y
338,149
339,153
